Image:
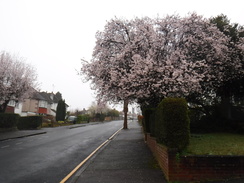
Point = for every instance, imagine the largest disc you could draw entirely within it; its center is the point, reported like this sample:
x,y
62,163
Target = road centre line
x,y
88,157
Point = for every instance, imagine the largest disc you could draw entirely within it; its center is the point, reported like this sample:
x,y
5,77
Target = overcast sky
x,y
53,35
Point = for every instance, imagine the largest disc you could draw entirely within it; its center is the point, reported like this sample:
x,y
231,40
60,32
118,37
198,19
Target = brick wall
x,y
195,168
9,109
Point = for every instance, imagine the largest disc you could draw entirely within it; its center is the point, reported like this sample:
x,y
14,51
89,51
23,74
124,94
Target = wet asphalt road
x,y
49,157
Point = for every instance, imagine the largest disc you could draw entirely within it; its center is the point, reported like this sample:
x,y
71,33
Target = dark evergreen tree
x,y
61,111
231,92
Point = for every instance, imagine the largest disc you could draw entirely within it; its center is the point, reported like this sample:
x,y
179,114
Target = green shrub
x,y
29,122
172,125
113,113
8,120
99,116
152,122
148,120
147,117
210,121
83,117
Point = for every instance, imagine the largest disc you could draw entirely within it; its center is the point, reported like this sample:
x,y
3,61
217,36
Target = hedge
x,y
152,119
29,122
83,117
172,124
8,120
146,120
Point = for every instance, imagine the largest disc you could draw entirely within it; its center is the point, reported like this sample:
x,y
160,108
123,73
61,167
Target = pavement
x,y
125,159
19,134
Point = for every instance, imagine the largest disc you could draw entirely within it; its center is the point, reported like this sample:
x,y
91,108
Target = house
x,y
10,107
40,103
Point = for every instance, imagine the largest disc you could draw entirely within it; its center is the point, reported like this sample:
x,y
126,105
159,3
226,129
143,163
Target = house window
x,y
17,105
43,103
11,103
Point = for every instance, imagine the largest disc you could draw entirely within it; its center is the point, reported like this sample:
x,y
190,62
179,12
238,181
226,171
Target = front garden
x,y
216,144
186,156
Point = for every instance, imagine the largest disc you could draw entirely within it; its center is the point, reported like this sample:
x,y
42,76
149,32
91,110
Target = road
x,y
48,158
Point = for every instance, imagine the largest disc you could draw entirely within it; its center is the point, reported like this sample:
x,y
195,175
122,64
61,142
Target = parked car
x,y
72,119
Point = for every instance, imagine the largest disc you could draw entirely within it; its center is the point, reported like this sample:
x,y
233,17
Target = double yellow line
x,y
87,158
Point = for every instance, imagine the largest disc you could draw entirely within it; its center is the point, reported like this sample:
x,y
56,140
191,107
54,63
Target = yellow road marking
x,y
110,138
87,158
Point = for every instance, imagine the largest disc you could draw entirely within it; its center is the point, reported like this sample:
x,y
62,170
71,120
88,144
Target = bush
x,y
100,116
152,124
83,117
113,113
146,120
29,122
8,120
210,122
149,120
172,125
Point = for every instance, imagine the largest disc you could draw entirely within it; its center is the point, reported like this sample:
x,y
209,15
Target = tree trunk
x,y
125,113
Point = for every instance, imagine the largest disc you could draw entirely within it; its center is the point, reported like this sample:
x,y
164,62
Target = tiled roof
x,y
46,96
49,97
38,96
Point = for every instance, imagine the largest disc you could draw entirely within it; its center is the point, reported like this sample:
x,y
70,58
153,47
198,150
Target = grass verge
x,y
216,144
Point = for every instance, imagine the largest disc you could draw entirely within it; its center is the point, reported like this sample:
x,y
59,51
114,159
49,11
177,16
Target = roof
x,y
38,96
49,97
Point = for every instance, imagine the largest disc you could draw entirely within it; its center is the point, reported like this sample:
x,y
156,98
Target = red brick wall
x,y
195,168
160,152
9,109
209,167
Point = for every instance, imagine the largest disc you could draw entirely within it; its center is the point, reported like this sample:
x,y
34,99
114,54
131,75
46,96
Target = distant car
x,y
72,119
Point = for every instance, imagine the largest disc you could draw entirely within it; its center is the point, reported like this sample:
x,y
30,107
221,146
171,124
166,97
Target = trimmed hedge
x,y
152,124
173,124
8,120
29,122
146,120
83,117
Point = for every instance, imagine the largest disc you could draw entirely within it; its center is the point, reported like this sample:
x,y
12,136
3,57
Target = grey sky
x,y
53,35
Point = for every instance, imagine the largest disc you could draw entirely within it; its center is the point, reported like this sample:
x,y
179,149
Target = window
x,y
43,103
17,105
11,103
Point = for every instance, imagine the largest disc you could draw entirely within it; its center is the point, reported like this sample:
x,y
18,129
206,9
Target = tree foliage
x,y
61,110
113,113
146,60
17,79
234,87
98,108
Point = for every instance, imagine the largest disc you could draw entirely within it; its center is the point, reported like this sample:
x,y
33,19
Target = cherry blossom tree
x,y
145,60
17,79
112,60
